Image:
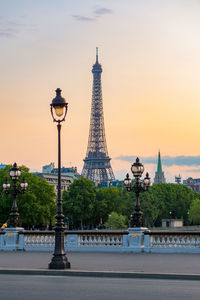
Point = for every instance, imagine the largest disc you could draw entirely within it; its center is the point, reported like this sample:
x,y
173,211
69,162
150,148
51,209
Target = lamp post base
x,y
136,219
59,262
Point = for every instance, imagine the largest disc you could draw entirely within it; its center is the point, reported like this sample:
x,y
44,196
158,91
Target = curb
x,y
99,274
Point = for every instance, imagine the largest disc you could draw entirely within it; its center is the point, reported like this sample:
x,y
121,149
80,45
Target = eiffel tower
x,y
97,165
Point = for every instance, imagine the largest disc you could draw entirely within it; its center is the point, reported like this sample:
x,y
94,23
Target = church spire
x,y
159,166
159,175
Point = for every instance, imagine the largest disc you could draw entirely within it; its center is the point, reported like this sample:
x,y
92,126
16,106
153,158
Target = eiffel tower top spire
x,y
97,67
97,55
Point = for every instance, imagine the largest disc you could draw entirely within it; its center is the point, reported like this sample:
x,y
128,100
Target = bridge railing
x,y
132,240
75,240
172,241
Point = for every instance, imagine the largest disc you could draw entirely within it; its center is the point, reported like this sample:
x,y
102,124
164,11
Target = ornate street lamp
x,y
137,169
15,173
59,259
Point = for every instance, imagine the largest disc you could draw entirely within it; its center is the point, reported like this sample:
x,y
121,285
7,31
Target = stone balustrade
x,y
75,240
132,240
172,241
109,240
38,240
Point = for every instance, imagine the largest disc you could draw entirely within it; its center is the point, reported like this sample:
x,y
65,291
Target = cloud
x,y
12,27
83,18
102,11
97,14
8,32
193,170
166,160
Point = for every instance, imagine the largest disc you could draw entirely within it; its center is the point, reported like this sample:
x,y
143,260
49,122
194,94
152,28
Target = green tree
x,y
194,212
108,200
161,199
116,221
79,203
36,206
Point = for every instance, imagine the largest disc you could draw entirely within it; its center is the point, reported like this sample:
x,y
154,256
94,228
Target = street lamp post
x,y
139,186
59,259
15,173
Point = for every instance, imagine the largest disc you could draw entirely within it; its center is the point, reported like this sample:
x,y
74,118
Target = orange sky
x,y
150,54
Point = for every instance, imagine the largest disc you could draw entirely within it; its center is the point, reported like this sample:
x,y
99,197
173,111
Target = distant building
x,y
114,183
159,175
52,179
193,184
178,179
50,173
72,171
50,169
172,223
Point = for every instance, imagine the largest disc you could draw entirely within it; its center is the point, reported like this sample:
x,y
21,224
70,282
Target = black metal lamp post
x,y
15,173
139,186
59,259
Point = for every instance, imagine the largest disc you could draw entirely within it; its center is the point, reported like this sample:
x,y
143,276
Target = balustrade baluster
x,y
106,240
173,242
198,241
187,241
90,240
192,243
163,241
153,241
179,241
167,242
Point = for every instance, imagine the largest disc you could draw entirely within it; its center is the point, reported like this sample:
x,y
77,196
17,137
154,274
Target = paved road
x,y
143,262
78,288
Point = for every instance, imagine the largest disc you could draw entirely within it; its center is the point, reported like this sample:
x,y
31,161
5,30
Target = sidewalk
x,y
142,265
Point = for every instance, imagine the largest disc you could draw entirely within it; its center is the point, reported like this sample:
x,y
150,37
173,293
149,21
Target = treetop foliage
x,y
87,207
36,206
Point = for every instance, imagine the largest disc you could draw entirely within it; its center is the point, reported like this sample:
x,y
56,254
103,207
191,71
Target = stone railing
x,y
38,240
172,241
132,240
108,240
75,240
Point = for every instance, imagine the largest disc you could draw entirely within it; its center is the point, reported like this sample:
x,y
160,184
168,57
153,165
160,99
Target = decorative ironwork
x,y
15,173
139,186
97,165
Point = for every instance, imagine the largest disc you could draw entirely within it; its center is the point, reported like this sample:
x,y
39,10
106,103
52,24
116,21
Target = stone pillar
x,y
11,239
1,241
136,239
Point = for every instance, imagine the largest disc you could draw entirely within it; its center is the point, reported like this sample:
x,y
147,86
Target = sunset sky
x,y
150,55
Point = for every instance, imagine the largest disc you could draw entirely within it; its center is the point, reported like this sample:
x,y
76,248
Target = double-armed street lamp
x,y
15,174
59,259
139,186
